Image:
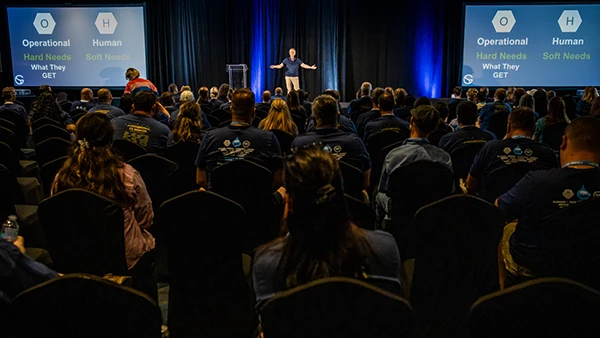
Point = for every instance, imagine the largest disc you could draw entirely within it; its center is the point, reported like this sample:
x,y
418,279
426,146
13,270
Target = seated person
x,y
87,101
543,192
369,116
411,103
188,127
517,147
239,141
93,165
105,106
279,118
321,241
468,133
386,120
187,96
424,120
346,147
45,105
493,107
140,127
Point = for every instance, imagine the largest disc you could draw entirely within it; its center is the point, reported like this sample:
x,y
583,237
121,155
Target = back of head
x,y
425,118
8,93
590,94
550,94
223,90
409,100
519,92
87,94
556,111
365,89
485,91
203,94
540,101
188,125
423,100
472,94
167,99
266,96
45,89
595,110
144,101
280,118
242,103
570,106
481,97
278,91
184,88
333,93
386,102
500,94
457,91
325,110
104,95
583,134
45,105
292,100
528,101
442,108
467,113
376,93
96,129
173,88
399,96
132,74
522,118
186,96
214,92
125,102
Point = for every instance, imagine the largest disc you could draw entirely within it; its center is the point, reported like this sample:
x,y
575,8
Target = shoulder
x,y
268,255
379,238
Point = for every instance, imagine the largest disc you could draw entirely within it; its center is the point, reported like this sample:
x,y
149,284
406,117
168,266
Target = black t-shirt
x,y
464,136
404,112
387,122
365,118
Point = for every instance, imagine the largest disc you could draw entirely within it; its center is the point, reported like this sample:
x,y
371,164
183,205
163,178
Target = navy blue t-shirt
x,y
346,147
83,105
464,136
365,118
15,108
239,142
344,124
539,194
291,66
142,130
108,109
387,122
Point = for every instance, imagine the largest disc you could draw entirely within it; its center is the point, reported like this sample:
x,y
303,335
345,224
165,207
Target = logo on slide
x,y
503,21
569,21
106,23
44,23
468,79
19,80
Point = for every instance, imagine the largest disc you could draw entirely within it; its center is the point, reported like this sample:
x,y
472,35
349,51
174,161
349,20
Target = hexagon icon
x,y
503,21
44,23
106,23
569,21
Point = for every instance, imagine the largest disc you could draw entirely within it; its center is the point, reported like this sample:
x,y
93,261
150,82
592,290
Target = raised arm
x,y
305,66
279,66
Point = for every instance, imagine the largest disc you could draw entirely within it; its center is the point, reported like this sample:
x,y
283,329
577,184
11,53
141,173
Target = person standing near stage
x,y
291,75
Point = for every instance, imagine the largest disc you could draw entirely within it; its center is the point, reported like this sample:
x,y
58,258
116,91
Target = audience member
x,y
362,104
174,91
45,105
543,192
486,95
585,104
293,102
321,242
457,92
416,148
406,112
278,94
279,118
204,100
481,100
541,103
125,103
595,110
346,147
167,99
214,92
468,133
105,106
519,92
570,106
188,126
386,120
516,147
239,141
225,90
369,116
510,95
304,100
93,165
550,94
399,96
493,107
140,127
265,100
556,114
136,83
86,102
343,124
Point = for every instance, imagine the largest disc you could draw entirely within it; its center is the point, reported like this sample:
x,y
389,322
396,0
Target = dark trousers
x,y
144,275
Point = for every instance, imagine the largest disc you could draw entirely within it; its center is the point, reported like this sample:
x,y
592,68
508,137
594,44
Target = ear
x,y
563,145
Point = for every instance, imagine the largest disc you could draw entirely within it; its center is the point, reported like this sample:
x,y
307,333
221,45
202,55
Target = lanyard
x,y
520,136
239,124
590,163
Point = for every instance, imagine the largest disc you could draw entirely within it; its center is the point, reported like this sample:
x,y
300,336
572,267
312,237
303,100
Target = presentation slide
x,y
531,45
76,46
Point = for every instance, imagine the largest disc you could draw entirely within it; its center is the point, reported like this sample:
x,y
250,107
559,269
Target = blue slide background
x,y
540,24
78,25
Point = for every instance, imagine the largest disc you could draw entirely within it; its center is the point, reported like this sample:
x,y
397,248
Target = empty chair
x,y
48,173
42,121
10,138
503,179
156,172
21,127
220,114
79,305
375,144
462,159
47,131
8,159
285,140
51,149
184,155
207,297
65,105
361,214
336,307
8,125
553,135
128,150
84,232
435,136
455,262
542,308
353,180
497,123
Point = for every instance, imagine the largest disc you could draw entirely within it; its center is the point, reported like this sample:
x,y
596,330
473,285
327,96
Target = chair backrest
x,y
375,144
156,172
7,158
503,179
48,173
455,261
262,112
184,155
353,179
541,308
85,232
553,135
206,295
462,159
21,128
76,117
435,136
7,200
128,150
8,125
411,187
214,121
81,305
497,123
220,114
361,214
42,121
51,149
47,131
256,121
77,111
65,105
224,123
301,122
336,307
285,140
10,138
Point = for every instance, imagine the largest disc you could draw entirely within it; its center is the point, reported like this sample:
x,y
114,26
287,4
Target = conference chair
x,y
375,144
208,295
128,150
48,173
156,172
8,125
43,121
353,179
462,159
541,308
51,149
84,232
455,262
386,150
435,136
220,114
212,120
21,127
285,140
184,155
361,214
65,105
28,167
83,305
76,118
224,123
8,159
256,121
497,123
411,187
336,307
7,200
28,188
47,131
503,179
262,112
553,135
10,138
76,112
301,123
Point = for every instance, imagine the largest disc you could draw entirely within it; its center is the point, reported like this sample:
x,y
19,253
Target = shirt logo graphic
x,y
596,193
528,152
583,194
227,143
568,193
507,150
246,144
236,143
518,151
327,148
337,149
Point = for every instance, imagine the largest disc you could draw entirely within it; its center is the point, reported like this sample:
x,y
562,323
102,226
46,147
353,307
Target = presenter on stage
x,y
291,75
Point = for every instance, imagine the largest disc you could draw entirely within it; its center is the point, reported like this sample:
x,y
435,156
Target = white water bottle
x,y
10,229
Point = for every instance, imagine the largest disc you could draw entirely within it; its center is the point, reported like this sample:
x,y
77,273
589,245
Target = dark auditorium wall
x,y
410,44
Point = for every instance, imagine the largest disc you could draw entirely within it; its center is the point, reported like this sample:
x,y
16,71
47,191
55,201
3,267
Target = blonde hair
x,y
279,117
132,74
472,94
188,125
590,94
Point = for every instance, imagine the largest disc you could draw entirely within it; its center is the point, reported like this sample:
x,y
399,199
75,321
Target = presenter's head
x,y
132,74
242,105
144,101
9,94
292,53
325,111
